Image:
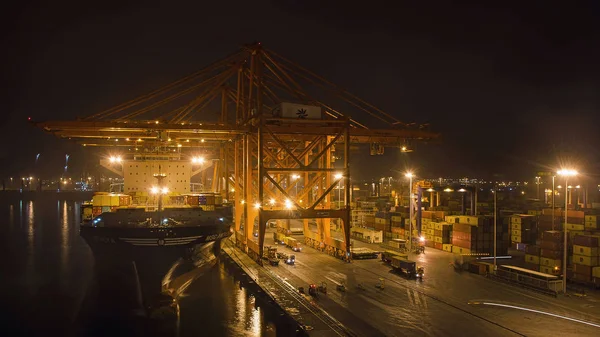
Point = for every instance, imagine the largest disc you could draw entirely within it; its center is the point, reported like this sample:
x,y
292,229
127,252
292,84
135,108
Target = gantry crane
x,y
235,111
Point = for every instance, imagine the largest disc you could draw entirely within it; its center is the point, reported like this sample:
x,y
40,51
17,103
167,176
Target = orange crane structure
x,y
267,123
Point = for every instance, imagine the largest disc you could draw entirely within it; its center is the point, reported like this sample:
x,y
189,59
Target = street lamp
x,y
566,173
410,175
538,187
495,223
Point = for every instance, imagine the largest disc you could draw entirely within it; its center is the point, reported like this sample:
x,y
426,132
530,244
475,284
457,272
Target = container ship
x,y
141,235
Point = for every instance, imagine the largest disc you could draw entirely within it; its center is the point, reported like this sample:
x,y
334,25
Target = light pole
x,y
566,173
553,192
538,187
410,175
495,223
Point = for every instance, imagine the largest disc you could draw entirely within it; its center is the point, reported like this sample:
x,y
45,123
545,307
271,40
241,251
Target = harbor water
x,y
46,273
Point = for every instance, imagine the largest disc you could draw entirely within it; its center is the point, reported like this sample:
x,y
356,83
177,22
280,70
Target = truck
x,y
292,243
278,238
387,255
405,266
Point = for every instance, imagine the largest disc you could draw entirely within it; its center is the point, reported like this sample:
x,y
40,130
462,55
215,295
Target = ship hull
x,y
131,263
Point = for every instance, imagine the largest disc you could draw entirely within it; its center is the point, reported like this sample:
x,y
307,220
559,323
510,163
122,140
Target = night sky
x,y
512,86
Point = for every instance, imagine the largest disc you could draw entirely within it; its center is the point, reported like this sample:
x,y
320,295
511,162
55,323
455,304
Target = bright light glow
x,y
165,190
242,202
523,192
422,239
257,205
338,176
156,122
154,190
462,190
89,178
448,190
272,202
115,159
179,145
559,186
403,149
288,204
198,160
430,190
538,312
295,176
577,186
567,172
409,175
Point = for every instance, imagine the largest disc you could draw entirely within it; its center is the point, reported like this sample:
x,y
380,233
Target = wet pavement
x,y
444,303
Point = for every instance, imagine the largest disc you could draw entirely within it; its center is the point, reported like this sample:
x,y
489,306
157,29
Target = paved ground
x,y
438,305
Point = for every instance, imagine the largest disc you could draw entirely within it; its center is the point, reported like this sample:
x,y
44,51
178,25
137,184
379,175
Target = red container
x,y
551,236
532,250
582,278
551,254
585,240
551,245
582,269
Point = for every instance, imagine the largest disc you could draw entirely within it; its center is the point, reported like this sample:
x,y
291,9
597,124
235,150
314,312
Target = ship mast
x,y
159,177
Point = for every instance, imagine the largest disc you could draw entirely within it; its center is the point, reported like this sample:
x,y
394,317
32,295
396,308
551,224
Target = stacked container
x,y
585,257
383,221
442,235
545,220
575,223
551,252
475,234
522,228
592,222
532,257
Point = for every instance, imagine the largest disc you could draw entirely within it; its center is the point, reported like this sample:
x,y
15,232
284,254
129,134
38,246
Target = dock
x,y
312,319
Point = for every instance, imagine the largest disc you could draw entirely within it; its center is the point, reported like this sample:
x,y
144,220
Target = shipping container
x,y
551,254
585,260
535,259
550,262
586,251
582,269
586,240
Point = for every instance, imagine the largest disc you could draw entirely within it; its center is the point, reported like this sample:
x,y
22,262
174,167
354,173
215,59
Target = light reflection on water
x,y
51,268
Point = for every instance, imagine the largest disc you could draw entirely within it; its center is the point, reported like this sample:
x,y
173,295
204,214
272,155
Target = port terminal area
x,y
366,297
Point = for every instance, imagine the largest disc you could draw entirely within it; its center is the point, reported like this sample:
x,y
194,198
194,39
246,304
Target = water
x,y
46,270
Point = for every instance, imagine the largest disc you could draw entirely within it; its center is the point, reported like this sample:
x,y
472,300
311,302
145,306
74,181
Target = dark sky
x,y
512,86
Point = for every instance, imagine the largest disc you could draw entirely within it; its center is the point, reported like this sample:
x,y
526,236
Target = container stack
x,y
475,234
551,252
522,228
545,220
532,257
592,222
585,257
442,236
102,203
383,221
575,223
